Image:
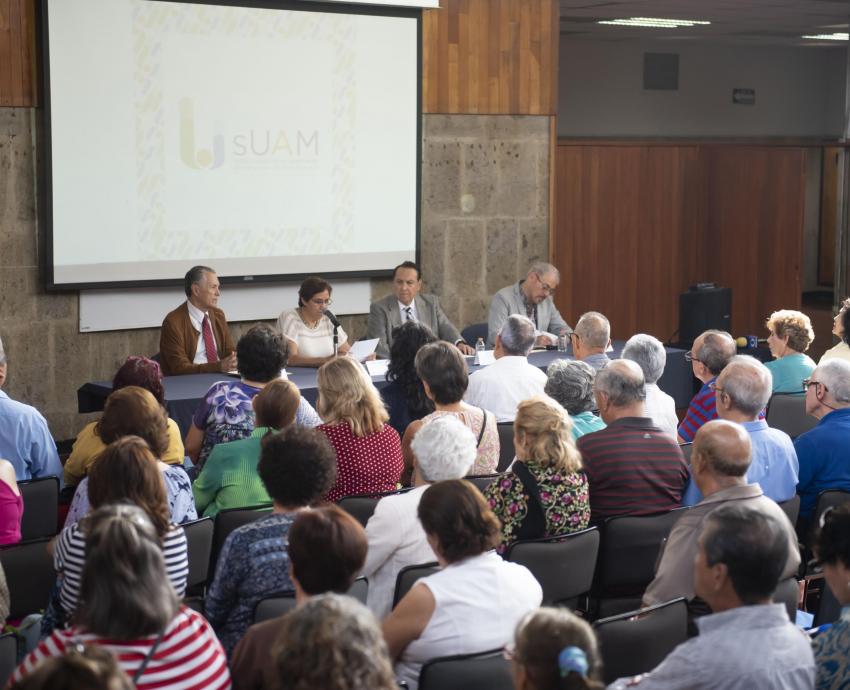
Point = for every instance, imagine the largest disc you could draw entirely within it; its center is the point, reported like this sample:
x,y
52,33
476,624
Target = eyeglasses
x,y
809,382
545,286
689,357
509,652
717,389
320,302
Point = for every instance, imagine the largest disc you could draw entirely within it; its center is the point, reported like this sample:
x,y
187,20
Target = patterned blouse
x,y
487,458
832,654
565,499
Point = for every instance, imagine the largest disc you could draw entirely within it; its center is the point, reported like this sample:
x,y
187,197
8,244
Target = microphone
x,y
332,318
749,341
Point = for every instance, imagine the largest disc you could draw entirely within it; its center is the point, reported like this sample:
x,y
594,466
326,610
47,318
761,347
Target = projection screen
x,y
268,141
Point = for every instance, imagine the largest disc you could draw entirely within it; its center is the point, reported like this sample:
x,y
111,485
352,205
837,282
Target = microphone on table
x,y
335,322
751,342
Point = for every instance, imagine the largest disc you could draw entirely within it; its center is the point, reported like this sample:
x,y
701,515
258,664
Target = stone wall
x,y
485,188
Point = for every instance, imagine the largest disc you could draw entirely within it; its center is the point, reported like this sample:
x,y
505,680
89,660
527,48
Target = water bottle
x,y
480,346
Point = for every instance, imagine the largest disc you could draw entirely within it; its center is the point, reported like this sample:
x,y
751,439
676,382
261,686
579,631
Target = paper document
x,y
484,357
377,367
363,348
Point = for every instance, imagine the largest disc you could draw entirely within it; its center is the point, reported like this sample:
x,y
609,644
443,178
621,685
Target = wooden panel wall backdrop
x,y
830,184
17,53
491,57
639,222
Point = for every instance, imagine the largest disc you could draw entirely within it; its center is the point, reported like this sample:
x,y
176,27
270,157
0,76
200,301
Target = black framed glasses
x,y
717,389
809,382
689,357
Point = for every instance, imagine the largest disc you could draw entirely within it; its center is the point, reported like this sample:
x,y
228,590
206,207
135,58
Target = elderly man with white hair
x,y
591,338
741,393
444,448
503,385
531,296
822,451
650,356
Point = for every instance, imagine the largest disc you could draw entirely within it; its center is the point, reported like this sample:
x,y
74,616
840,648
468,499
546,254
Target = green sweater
x,y
229,478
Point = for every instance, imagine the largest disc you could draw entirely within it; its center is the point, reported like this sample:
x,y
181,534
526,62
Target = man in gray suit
x,y
406,304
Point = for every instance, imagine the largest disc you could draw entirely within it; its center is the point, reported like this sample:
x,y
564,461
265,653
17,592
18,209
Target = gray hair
x,y
444,448
570,383
517,335
332,642
748,383
835,375
716,350
593,328
649,354
194,275
541,268
622,381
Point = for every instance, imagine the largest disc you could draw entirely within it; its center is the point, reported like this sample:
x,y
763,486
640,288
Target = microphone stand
x,y
336,340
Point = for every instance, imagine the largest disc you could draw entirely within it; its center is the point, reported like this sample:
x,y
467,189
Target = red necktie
x,y
209,341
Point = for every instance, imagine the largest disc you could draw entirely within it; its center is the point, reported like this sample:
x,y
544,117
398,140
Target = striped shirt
x,y
189,657
702,409
70,556
633,468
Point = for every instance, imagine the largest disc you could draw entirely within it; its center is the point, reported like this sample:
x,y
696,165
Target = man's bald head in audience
x,y
721,455
743,389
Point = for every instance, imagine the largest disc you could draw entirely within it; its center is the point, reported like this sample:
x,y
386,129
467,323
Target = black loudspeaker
x,y
702,309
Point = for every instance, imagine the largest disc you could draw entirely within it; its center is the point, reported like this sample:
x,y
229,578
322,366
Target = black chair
x,y
831,498
687,449
829,610
278,604
408,576
481,671
482,481
41,507
787,412
473,332
788,592
8,657
791,508
563,565
628,554
228,520
199,542
30,576
631,645
361,506
506,445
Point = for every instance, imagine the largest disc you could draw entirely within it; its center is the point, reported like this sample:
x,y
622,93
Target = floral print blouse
x,y
832,654
565,499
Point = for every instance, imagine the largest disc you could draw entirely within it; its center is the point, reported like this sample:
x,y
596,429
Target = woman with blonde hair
x,y
545,492
790,336
368,450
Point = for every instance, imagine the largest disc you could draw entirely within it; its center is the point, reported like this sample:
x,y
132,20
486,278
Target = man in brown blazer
x,y
194,338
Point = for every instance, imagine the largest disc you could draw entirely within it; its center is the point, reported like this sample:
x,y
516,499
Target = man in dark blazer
x,y
194,338
406,304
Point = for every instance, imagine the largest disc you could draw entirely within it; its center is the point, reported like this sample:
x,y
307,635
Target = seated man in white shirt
x,y
649,354
501,386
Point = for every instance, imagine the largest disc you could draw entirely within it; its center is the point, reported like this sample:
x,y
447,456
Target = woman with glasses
x,y
307,328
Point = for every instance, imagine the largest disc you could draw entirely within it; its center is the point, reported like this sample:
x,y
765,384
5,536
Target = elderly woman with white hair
x,y
443,448
790,336
569,382
650,356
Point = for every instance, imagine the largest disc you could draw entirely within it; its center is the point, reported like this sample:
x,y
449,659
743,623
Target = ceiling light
x,y
655,22
830,37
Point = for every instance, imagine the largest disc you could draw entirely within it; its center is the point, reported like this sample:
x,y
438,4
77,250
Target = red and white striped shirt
x,y
189,657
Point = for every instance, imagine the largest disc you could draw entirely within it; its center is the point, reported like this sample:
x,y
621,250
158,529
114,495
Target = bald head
x,y
622,382
714,349
722,449
594,330
748,385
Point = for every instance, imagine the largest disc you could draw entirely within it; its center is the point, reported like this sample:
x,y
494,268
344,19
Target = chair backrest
x,y
629,551
362,506
787,412
791,508
829,609
630,645
408,576
230,519
30,576
199,541
8,657
831,498
482,481
41,507
473,332
687,449
788,592
482,671
359,590
506,445
276,605
563,566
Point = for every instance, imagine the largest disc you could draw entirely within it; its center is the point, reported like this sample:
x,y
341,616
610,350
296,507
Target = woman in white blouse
x,y
307,328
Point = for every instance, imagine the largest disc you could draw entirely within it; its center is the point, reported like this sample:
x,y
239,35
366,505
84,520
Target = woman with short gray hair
x,y
570,384
649,354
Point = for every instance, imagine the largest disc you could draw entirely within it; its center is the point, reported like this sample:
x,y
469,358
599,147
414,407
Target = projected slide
x,y
263,142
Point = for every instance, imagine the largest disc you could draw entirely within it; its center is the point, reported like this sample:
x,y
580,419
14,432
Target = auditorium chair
x,y
480,671
408,576
788,593
41,507
791,508
628,553
687,449
482,481
361,506
563,565
228,520
278,604
8,657
30,576
636,642
831,498
787,411
506,445
473,332
199,543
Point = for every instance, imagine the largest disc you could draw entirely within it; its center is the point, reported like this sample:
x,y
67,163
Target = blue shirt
x,y
824,455
774,464
788,372
25,441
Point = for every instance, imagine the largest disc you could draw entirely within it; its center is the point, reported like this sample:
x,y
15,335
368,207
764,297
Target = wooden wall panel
x,y
17,53
491,57
830,186
638,223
